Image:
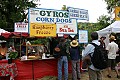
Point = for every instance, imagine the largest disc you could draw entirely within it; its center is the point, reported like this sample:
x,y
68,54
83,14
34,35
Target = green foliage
x,y
64,7
13,55
111,4
103,21
88,26
12,11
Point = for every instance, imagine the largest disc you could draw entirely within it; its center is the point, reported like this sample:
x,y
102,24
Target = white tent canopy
x,y
114,27
2,31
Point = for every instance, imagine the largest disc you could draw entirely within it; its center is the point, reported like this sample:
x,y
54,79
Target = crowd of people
x,y
74,52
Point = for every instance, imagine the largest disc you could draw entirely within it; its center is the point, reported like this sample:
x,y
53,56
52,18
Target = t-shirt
x,y
62,47
112,48
74,53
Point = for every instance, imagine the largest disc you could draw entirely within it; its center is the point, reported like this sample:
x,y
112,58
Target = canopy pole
x,y
20,44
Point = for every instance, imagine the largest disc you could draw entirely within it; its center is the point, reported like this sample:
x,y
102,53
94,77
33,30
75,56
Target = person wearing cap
x,y
74,51
3,50
62,60
112,48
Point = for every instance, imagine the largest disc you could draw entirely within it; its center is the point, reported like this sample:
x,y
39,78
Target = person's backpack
x,y
99,58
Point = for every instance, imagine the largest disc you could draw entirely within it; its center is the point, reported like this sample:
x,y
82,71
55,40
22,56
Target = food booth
x,y
34,64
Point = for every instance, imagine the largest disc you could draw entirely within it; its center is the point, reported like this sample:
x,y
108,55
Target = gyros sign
x,y
59,17
48,16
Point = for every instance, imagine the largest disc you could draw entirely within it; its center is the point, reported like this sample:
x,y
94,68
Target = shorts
x,y
111,63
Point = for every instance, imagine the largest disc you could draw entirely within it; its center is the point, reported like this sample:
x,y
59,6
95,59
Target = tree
x,y
103,21
12,11
64,7
111,4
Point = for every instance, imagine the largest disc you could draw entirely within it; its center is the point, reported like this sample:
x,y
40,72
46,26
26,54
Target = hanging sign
x,y
48,16
21,27
58,17
117,13
67,28
80,14
83,36
43,30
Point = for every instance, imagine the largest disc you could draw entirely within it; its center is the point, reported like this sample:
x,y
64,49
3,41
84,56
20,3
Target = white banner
x,y
48,16
68,28
65,25
21,27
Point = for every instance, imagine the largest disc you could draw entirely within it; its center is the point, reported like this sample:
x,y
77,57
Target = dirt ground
x,y
84,76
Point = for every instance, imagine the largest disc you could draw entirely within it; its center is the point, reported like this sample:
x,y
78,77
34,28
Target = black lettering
x,y
55,14
48,13
42,13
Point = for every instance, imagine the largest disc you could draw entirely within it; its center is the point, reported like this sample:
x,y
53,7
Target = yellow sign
x,y
117,13
42,30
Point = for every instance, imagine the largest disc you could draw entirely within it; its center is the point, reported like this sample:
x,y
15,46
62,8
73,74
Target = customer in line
x,y
62,60
102,43
74,51
94,73
112,49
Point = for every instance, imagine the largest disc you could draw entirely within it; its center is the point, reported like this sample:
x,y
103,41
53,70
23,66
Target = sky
x,y
95,8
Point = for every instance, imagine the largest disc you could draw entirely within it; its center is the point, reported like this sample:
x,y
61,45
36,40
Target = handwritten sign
x,y
43,30
21,27
76,13
83,36
68,28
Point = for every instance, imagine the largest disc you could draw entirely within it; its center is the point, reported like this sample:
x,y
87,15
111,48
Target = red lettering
x,y
63,30
70,30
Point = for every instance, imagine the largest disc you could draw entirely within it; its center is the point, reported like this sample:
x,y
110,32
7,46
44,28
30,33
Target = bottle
x,y
43,56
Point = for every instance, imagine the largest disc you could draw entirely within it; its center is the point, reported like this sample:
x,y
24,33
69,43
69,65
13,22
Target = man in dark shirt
x,y
62,60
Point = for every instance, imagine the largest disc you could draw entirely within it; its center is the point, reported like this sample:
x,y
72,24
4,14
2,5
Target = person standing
x,y
112,49
74,51
102,43
94,73
62,60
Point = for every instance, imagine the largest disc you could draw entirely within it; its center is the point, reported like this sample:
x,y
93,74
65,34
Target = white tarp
x,y
114,27
2,31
